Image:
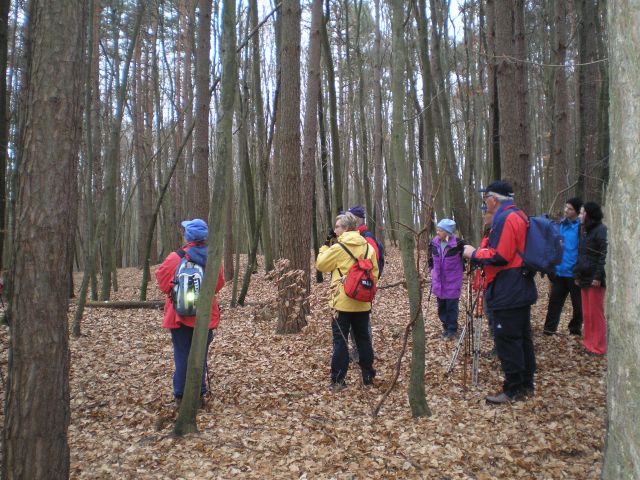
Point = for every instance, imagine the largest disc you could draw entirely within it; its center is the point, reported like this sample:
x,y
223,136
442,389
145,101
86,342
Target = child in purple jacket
x,y
447,265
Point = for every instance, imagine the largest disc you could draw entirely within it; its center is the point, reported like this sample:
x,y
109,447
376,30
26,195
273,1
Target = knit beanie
x,y
447,225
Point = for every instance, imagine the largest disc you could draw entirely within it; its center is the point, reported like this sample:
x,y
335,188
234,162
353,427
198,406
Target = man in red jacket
x,y
510,292
181,327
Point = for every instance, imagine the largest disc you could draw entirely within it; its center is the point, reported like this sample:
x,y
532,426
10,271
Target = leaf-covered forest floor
x,y
271,415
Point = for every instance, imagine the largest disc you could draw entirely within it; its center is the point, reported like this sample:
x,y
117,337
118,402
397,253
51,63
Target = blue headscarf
x,y
195,230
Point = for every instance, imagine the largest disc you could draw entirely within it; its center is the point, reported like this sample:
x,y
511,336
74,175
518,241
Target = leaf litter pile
x,y
270,413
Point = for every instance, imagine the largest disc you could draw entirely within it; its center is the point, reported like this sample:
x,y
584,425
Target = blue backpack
x,y
543,248
186,285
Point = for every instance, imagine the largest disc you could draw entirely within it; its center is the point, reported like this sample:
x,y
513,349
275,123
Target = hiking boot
x,y
337,386
575,332
528,392
490,354
500,398
548,332
449,335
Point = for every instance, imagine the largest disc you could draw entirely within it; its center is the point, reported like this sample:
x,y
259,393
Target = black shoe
x,y
548,332
337,386
493,353
528,392
501,397
367,381
575,332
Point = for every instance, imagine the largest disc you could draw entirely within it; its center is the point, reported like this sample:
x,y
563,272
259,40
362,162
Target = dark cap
x,y
500,187
357,210
576,203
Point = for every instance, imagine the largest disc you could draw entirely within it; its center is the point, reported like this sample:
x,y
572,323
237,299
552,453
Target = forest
x,y
267,119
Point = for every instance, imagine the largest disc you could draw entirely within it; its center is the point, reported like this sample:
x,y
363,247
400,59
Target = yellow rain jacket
x,y
332,258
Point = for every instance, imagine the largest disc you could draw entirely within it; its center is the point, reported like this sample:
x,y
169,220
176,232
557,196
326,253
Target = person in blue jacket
x,y
562,283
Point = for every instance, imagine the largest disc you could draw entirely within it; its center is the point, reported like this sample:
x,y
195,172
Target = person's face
x,y
339,229
487,218
583,215
570,212
491,202
442,235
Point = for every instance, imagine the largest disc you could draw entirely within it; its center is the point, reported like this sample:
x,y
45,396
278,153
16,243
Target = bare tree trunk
x,y
417,398
589,167
560,131
261,134
377,131
622,446
515,156
290,320
427,139
336,160
4,119
218,202
444,125
37,412
492,88
111,178
200,206
310,134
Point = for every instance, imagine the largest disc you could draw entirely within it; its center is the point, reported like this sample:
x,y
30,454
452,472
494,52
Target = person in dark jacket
x,y
589,275
510,292
446,264
562,283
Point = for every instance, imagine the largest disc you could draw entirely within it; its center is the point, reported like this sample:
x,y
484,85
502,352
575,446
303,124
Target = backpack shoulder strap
x,y
181,252
349,251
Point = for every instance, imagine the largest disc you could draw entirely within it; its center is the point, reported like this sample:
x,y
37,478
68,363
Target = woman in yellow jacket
x,y
351,314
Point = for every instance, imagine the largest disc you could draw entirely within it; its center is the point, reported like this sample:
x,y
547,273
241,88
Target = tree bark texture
x,y
289,162
218,204
588,164
560,133
515,156
4,119
310,133
378,211
200,183
37,413
416,393
622,446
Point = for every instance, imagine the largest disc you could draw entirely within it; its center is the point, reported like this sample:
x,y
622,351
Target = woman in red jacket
x,y
181,327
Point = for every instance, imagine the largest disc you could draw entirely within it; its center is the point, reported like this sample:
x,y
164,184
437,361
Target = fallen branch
x,y
123,305
392,285
150,304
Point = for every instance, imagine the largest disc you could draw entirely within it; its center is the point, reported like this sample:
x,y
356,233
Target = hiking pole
x,y
467,326
470,332
478,313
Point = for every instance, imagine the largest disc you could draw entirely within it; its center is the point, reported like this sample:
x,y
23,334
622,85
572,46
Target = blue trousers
x,y
448,312
181,340
341,326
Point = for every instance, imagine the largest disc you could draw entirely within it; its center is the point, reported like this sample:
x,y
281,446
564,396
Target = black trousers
x,y
560,288
358,323
514,345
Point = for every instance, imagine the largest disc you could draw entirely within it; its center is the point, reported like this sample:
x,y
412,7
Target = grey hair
x,y
348,221
501,198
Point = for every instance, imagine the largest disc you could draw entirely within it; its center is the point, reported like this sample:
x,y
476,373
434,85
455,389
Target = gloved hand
x,y
330,238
